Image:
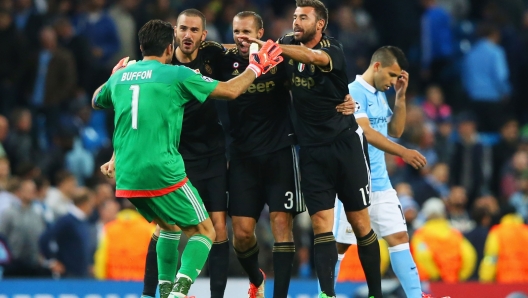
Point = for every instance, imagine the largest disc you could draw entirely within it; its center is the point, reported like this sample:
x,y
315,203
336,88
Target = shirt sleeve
x,y
103,99
361,102
195,85
488,265
334,50
469,260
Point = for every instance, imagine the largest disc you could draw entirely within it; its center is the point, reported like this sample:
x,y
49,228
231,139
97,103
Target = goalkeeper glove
x,y
267,58
122,64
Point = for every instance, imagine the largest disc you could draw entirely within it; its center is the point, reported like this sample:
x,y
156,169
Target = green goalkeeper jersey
x,y
148,98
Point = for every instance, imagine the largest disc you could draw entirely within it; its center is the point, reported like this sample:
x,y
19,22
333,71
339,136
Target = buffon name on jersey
x,y
134,75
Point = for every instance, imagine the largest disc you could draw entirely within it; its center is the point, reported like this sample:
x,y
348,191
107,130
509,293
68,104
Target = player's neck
x,y
368,76
314,41
161,59
183,58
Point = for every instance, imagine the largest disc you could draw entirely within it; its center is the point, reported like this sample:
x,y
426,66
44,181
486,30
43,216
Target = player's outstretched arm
x,y
297,52
94,98
259,63
376,139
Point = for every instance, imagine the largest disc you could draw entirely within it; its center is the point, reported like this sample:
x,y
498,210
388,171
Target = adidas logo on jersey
x,y
235,72
291,62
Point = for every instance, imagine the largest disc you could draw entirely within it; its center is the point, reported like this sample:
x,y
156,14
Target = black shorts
x,y
341,168
209,177
271,179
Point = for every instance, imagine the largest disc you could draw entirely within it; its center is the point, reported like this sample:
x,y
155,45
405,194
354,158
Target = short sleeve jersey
x,y
148,98
202,134
259,118
373,105
316,93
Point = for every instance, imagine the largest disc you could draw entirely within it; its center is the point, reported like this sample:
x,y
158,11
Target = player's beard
x,y
186,49
307,35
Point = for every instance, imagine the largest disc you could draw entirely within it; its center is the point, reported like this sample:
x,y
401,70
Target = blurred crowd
x,y
466,113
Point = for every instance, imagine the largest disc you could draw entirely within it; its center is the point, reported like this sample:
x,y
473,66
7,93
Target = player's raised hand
x,y
247,40
414,158
348,107
401,84
108,169
122,64
265,59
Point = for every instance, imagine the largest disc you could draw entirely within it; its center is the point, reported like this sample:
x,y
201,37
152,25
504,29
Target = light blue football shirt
x,y
372,104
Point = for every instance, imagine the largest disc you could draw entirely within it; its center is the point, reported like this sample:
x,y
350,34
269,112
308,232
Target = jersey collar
x,y
365,84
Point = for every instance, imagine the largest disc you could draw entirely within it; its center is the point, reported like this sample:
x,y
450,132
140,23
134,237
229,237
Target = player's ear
x,y
204,35
320,24
260,33
376,66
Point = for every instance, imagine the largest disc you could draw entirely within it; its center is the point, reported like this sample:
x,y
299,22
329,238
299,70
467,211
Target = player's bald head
x,y
251,14
388,55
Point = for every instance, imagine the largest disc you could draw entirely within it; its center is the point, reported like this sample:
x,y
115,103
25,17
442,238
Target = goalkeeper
x,y
148,99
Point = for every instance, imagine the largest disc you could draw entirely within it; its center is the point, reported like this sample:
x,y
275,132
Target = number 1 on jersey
x,y
135,103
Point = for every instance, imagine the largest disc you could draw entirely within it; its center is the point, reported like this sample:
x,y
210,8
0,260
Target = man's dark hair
x,y
321,12
487,29
155,36
254,15
194,13
387,55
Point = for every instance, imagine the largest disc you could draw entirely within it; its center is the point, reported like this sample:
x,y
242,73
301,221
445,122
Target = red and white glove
x,y
267,58
122,64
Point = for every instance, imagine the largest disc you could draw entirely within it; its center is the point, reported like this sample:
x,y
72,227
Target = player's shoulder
x,y
287,38
328,41
232,52
209,46
357,91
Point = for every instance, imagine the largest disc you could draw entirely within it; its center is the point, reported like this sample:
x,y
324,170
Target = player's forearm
x,y
232,89
305,55
376,139
397,123
96,92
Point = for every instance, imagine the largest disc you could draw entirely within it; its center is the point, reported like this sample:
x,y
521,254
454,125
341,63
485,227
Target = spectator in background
x,y
434,184
60,201
457,214
485,76
19,144
503,152
519,200
444,140
5,172
468,158
477,236
40,206
52,78
12,61
22,226
458,9
434,107
100,29
7,199
437,41
79,46
120,13
409,206
505,252
28,21
514,169
440,251
4,132
118,252
69,240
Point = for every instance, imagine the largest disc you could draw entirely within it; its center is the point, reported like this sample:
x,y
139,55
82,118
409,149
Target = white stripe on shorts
x,y
359,132
196,205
